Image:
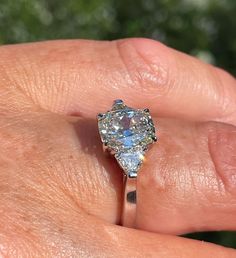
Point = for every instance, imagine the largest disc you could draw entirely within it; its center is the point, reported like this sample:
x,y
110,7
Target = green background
x,y
204,28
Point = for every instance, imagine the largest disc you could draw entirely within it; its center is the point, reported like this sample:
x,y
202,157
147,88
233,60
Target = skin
x,y
62,197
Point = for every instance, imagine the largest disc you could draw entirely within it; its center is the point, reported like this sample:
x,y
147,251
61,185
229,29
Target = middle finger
x,y
187,184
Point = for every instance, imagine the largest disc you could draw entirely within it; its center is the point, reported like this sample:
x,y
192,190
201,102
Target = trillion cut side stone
x,y
130,161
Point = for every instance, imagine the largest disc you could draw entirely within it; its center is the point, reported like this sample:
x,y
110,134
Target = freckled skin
x,y
61,196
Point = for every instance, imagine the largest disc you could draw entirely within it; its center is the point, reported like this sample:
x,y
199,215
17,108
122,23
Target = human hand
x,y
60,196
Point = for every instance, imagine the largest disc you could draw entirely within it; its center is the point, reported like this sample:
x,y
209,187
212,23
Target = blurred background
x,y
203,28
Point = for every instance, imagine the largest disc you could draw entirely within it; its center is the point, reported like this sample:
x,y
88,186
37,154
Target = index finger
x,y
84,77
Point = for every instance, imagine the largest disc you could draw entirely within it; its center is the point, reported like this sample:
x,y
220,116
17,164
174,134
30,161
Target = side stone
x,y
130,161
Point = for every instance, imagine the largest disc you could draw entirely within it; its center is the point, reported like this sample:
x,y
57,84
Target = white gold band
x,y
128,217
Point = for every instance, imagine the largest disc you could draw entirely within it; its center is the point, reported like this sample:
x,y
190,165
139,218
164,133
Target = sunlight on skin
x,y
62,195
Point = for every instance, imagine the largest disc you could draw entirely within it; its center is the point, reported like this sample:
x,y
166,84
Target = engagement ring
x,y
127,133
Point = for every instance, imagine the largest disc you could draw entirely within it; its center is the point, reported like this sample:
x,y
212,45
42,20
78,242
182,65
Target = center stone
x,y
126,129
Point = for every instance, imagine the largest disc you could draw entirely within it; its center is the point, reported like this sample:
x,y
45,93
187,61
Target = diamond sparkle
x,y
127,132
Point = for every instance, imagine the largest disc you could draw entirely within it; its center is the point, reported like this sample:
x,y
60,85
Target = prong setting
x,y
154,138
100,116
105,148
118,102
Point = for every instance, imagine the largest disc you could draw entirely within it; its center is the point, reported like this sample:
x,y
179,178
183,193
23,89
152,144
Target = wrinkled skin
x,y
62,197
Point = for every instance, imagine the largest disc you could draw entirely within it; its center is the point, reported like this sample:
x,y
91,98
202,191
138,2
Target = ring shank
x,y
128,217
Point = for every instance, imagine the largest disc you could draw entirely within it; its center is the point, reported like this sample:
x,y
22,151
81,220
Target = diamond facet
x,y
130,161
126,128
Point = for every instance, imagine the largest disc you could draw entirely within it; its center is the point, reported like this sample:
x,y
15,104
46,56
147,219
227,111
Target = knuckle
x,y
144,71
222,147
226,94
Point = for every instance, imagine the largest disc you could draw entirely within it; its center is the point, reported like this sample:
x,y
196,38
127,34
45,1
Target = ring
x,y
127,133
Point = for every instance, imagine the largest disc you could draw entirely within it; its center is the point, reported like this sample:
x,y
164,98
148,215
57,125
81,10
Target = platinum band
x,y
128,217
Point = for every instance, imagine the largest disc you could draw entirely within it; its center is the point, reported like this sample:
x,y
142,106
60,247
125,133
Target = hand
x,y
60,196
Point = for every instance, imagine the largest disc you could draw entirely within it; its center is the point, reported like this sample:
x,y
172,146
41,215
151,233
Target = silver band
x,y
128,217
